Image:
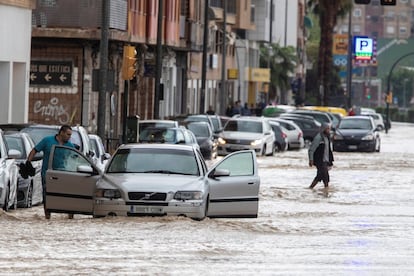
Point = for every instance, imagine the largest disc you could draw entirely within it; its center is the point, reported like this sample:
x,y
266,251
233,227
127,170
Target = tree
x,y
282,62
328,12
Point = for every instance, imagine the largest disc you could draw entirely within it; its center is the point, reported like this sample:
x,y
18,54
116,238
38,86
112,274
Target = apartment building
x,y
14,59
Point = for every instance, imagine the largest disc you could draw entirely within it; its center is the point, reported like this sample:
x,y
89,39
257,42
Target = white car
x,y
294,133
153,180
8,175
29,190
243,132
100,156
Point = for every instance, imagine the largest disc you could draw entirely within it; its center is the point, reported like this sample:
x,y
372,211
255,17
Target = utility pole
x,y
103,72
204,62
349,61
223,94
158,61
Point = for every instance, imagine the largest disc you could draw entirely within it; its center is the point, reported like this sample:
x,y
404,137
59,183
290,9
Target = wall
x,y
14,62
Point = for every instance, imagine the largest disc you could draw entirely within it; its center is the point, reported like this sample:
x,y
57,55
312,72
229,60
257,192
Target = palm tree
x,y
282,63
328,11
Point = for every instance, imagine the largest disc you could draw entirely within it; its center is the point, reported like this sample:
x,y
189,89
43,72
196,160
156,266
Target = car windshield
x,y
165,124
244,126
199,130
154,161
161,135
355,124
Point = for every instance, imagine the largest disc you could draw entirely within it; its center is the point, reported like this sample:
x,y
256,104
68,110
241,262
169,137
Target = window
x,y
239,164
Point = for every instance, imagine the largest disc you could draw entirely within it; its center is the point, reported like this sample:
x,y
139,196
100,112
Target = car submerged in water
x,y
153,180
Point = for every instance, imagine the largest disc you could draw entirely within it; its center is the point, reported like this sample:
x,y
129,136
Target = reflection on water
x,y
362,224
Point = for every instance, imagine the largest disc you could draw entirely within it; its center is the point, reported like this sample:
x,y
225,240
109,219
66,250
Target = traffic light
x,y
129,62
388,98
362,2
388,2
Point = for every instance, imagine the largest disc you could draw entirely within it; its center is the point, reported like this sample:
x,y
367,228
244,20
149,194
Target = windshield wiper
x,y
162,171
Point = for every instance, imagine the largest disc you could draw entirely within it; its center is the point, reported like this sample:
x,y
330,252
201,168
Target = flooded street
x,y
362,225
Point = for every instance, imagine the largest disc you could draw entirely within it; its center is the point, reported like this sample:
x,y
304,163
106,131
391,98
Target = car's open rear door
x,y
70,182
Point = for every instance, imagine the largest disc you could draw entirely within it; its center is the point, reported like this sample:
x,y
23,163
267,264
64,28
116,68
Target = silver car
x,y
153,180
29,190
241,133
8,175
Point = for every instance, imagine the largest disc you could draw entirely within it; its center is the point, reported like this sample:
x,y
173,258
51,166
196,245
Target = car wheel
x,y
263,153
6,200
205,211
29,196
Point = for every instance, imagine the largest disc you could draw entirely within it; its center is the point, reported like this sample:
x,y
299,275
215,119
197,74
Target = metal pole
x,y
125,112
204,62
103,72
158,71
349,61
223,95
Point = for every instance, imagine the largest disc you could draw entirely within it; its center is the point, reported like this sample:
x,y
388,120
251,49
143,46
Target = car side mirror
x,y
219,172
106,156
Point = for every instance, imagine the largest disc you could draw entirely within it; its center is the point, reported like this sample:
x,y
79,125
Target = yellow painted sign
x,y
340,44
259,74
232,74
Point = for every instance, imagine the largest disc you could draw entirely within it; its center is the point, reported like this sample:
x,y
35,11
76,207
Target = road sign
x,y
363,48
45,72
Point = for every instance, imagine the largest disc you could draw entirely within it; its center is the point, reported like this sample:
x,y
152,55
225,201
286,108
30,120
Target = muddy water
x,y
362,225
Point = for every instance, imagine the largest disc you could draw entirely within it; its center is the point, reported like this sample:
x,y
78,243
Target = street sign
x,y
45,72
363,48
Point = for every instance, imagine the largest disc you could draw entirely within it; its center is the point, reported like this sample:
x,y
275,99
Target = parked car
x,y
172,135
155,180
101,157
309,126
217,124
378,120
205,138
37,132
357,133
293,132
244,132
201,118
143,124
320,116
281,139
29,190
8,175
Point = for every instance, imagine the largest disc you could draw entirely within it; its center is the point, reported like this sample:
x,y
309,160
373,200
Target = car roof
x,y
187,147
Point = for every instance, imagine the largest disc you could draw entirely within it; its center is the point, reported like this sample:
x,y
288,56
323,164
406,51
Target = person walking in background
x,y
320,154
45,145
210,111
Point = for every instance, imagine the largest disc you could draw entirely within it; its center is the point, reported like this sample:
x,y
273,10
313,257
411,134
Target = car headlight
x,y
338,137
188,195
368,137
108,193
221,141
256,142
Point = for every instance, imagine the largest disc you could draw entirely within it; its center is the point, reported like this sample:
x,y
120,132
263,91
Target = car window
x,y
153,161
239,164
67,159
199,130
355,124
37,134
16,143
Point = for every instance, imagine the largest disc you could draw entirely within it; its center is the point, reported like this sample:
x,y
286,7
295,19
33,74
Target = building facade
x,y
15,59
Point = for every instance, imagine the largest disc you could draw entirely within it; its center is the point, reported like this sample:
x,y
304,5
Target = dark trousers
x,y
322,173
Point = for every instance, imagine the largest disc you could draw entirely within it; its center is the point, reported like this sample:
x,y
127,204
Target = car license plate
x,y
352,147
146,210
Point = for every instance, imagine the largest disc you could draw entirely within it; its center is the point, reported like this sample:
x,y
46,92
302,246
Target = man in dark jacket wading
x,y
320,155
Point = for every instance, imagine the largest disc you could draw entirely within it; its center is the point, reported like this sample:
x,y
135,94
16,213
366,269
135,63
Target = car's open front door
x,y
234,186
70,182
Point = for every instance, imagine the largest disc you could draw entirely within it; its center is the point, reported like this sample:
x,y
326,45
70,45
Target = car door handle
x,y
250,183
54,178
